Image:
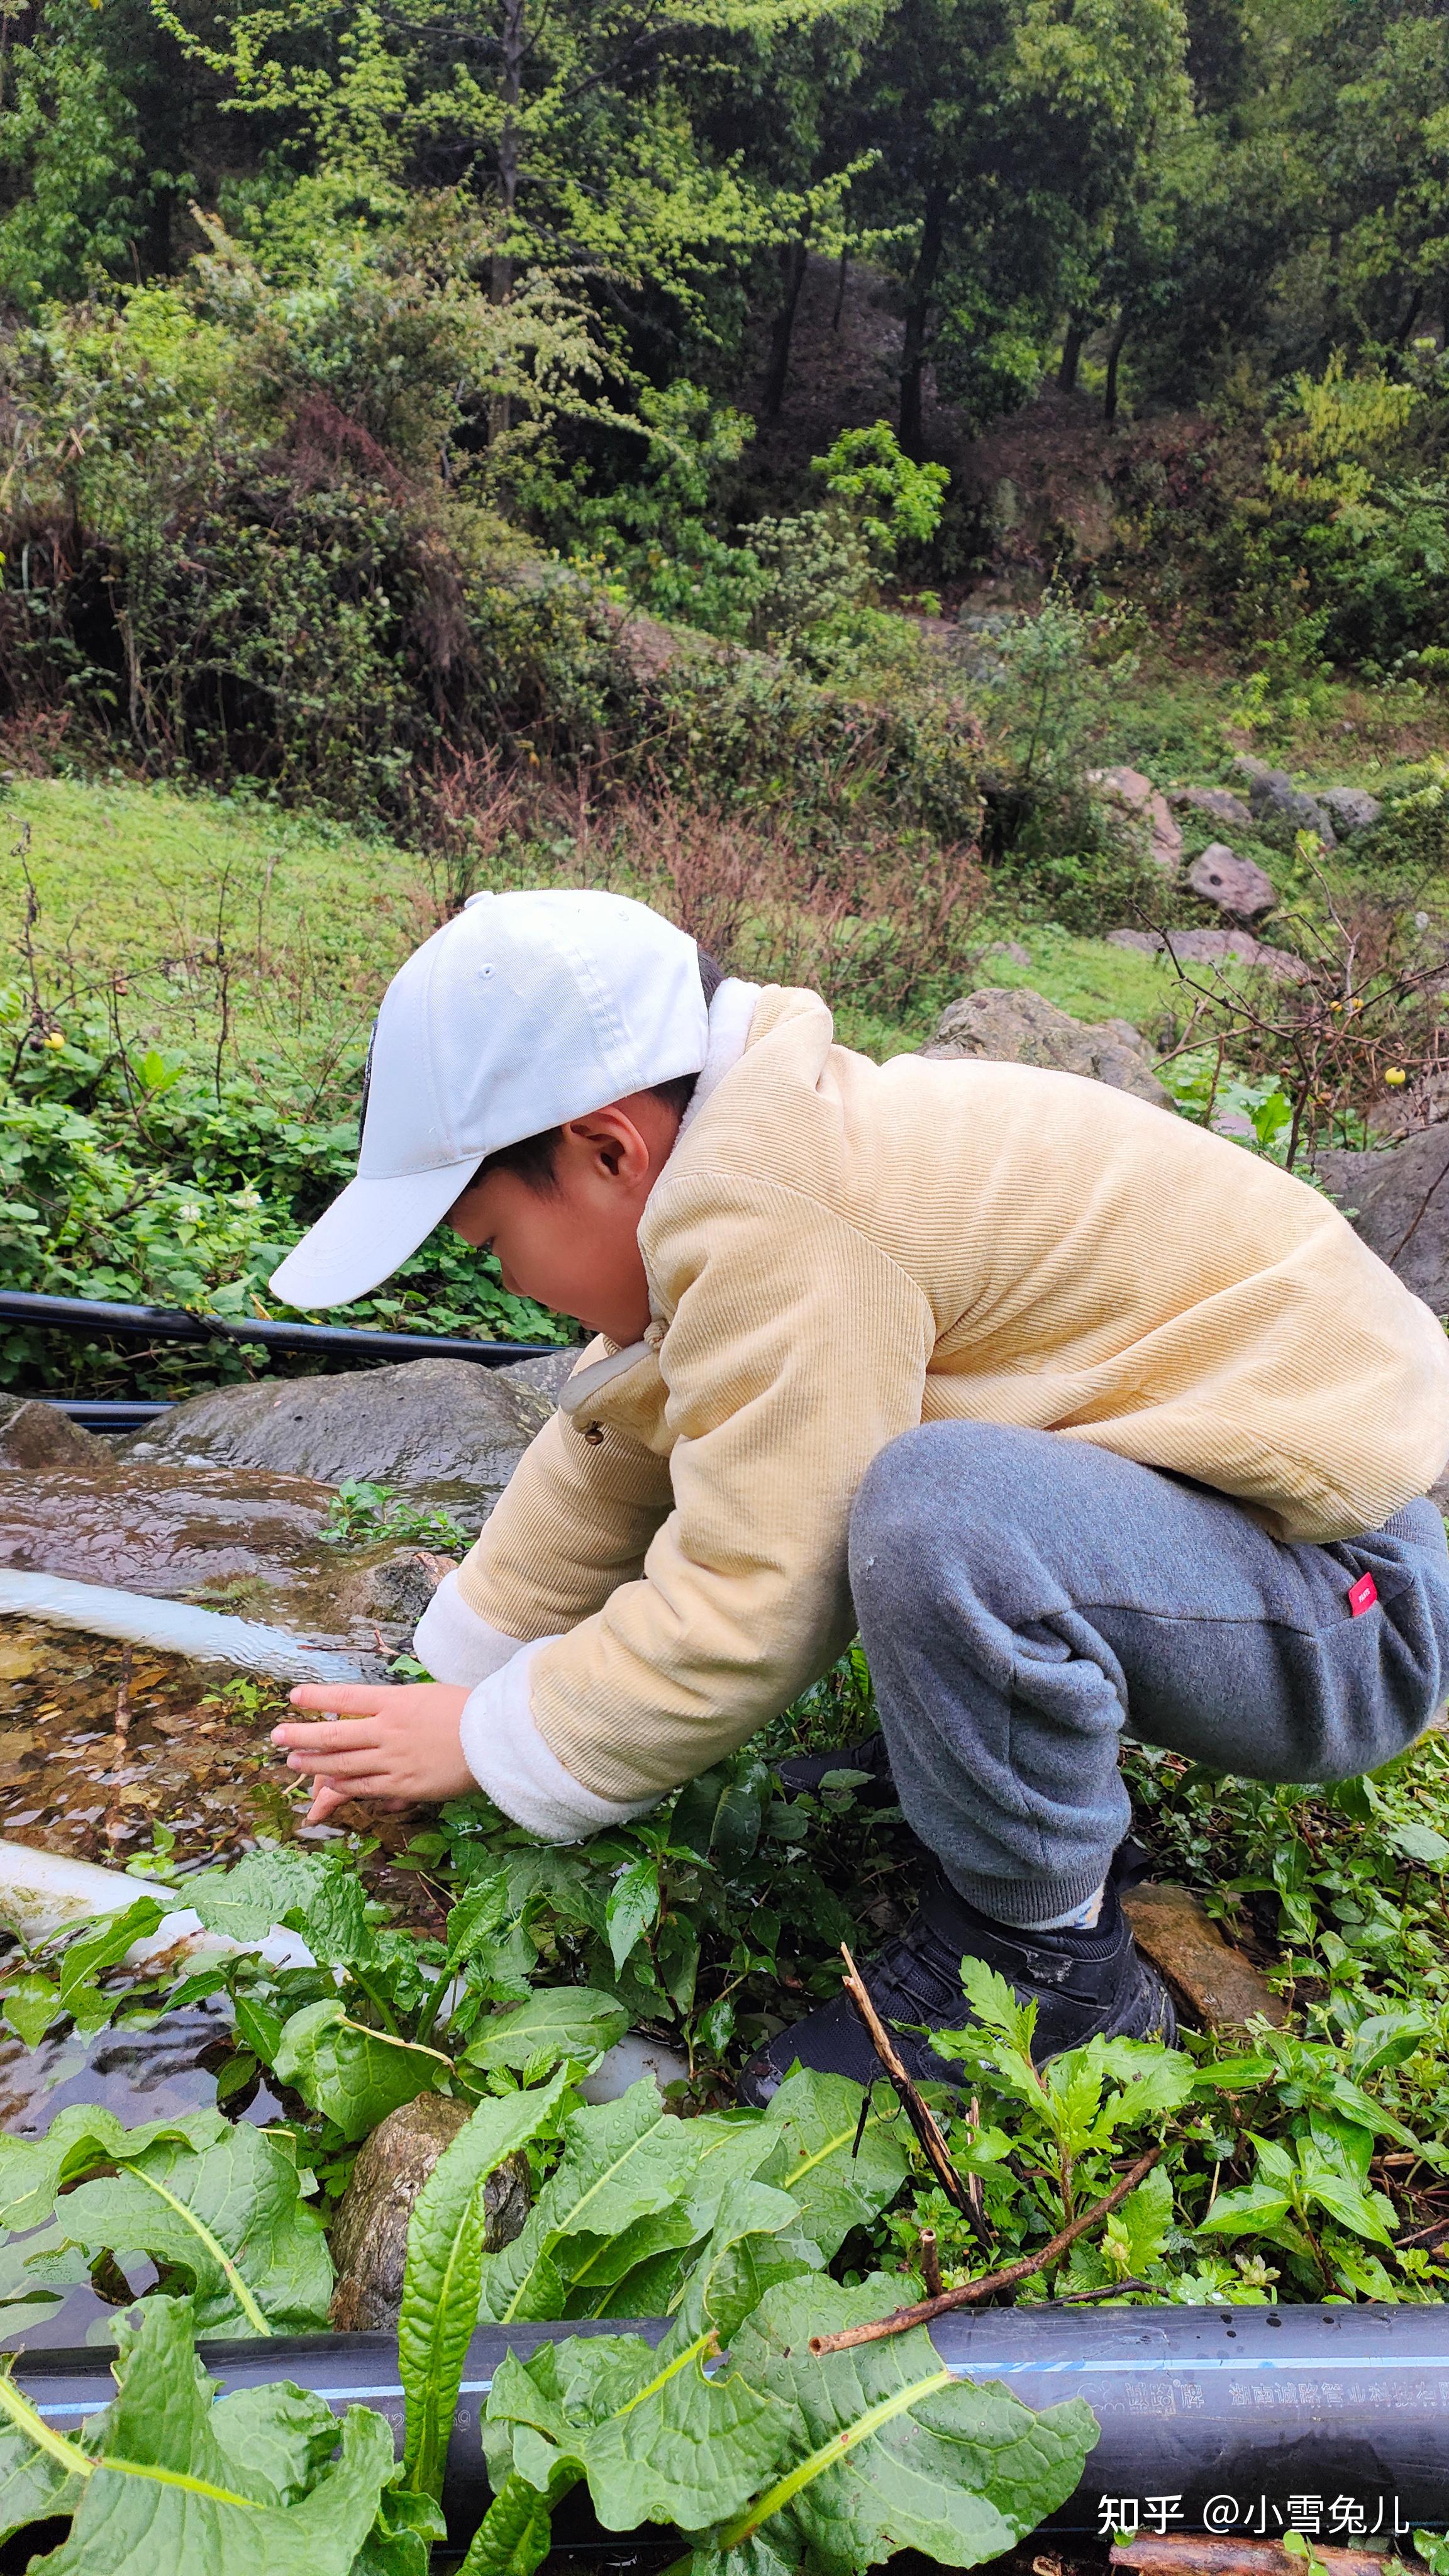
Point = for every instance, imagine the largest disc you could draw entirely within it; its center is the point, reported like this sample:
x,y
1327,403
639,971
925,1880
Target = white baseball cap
x,y
523,1012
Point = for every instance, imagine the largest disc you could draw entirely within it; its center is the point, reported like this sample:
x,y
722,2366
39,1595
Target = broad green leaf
x,y
276,2439
476,1916
888,2451
444,2269
257,1892
719,1814
163,2488
1250,2211
1364,2213
633,1906
33,2485
624,2163
104,1944
353,2075
409,2527
658,2440
31,2004
516,2531
34,2170
1142,2224
574,2022
231,2214
835,2184
1419,1843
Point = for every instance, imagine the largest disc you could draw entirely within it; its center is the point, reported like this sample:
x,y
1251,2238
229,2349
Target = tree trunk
x,y
792,262
1075,334
840,290
513,44
513,39
1114,354
918,306
1416,307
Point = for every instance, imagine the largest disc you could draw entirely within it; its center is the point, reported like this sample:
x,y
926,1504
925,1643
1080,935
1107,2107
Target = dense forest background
x,y
308,305
782,457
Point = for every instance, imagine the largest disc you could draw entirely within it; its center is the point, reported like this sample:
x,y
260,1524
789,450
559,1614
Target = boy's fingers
x,y
331,1764
325,1802
351,1735
343,1699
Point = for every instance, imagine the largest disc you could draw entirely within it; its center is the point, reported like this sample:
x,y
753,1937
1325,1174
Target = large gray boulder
x,y
1144,810
1237,886
1352,808
1216,948
1218,803
1021,1028
1281,808
1398,1199
424,1424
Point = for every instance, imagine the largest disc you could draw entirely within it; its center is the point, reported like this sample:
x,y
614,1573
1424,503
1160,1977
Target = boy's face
x,y
575,1247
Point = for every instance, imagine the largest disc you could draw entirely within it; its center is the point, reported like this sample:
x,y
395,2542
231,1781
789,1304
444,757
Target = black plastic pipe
x,y
1242,2421
105,1413
174,1324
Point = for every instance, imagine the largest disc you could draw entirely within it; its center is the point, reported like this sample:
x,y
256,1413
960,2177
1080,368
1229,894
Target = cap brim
x,y
366,1235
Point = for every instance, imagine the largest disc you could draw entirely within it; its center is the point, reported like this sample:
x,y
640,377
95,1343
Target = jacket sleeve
x,y
573,1522
796,1349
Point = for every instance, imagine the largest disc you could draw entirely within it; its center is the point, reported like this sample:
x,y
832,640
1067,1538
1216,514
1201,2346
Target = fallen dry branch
x,y
1193,2553
927,2128
971,2293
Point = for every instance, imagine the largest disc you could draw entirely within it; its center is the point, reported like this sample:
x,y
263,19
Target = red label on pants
x,y
1363,1596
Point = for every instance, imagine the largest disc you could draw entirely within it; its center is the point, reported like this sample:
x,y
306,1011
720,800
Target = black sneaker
x,y
1085,1985
810,1770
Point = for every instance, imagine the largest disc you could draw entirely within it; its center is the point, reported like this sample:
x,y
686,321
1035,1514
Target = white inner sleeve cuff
x,y
509,1758
455,1643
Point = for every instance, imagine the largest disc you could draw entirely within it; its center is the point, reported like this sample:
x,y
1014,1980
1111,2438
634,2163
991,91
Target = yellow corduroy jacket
x,y
838,1250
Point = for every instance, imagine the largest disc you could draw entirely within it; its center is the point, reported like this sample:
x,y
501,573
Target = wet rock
x,y
234,1538
1235,885
39,1437
1021,1028
1352,808
1214,948
400,1588
370,2232
547,1374
422,1424
1281,807
1397,1198
1219,1987
1142,805
1218,803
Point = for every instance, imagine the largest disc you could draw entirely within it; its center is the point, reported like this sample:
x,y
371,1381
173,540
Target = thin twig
x,y
930,2262
1108,2290
970,2293
927,2129
123,1709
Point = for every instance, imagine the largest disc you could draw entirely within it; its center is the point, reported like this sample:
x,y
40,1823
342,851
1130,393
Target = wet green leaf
x,y
353,2075
632,1908
183,2483
574,2022
444,2270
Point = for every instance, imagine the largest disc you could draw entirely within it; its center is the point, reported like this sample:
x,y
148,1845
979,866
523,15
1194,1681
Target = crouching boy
x,y
1083,1416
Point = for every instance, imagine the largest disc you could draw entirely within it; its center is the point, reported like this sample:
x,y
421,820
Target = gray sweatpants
x,y
1022,1597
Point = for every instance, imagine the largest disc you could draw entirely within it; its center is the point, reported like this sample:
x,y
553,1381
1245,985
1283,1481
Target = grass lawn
x,y
200,903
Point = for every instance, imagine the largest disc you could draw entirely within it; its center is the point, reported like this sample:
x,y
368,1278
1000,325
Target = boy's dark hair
x,y
532,1158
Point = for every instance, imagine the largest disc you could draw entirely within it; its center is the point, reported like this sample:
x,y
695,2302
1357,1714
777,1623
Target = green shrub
x,y
135,1178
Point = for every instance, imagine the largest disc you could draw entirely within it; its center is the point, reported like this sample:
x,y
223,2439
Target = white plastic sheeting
x,y
173,1628
44,1892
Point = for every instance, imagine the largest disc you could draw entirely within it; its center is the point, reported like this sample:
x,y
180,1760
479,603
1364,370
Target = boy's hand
x,y
392,1743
